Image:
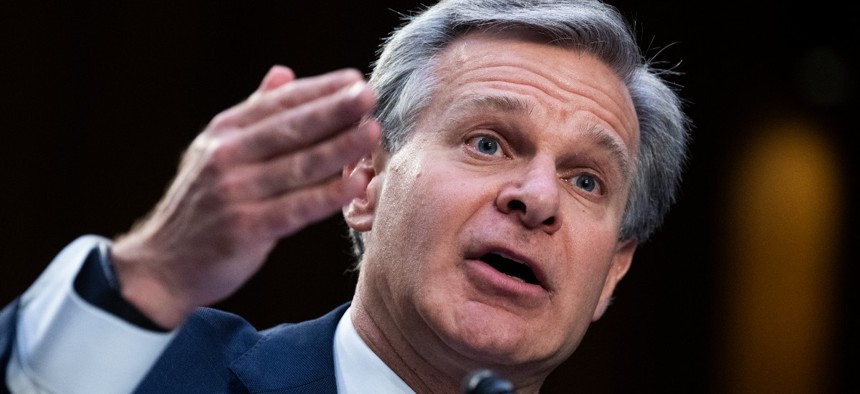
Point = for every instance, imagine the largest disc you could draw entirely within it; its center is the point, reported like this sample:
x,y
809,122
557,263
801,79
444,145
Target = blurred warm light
x,y
783,218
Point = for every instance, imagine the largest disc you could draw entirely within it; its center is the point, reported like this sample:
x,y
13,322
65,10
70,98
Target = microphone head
x,y
485,381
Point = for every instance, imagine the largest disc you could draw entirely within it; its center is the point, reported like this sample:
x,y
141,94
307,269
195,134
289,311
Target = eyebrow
x,y
605,140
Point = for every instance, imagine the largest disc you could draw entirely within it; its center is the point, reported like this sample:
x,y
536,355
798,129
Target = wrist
x,y
142,286
97,284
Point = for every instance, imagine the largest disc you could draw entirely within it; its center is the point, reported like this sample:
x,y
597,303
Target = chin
x,y
492,336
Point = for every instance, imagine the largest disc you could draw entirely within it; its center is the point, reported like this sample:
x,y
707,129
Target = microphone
x,y
485,381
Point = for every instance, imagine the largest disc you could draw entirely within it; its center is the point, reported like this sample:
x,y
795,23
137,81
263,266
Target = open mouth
x,y
512,268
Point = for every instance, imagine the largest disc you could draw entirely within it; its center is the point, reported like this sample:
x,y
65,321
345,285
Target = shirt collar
x,y
358,370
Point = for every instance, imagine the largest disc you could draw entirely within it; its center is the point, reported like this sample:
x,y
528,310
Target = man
x,y
516,155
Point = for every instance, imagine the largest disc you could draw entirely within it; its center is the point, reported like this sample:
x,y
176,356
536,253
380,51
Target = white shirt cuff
x,y
65,344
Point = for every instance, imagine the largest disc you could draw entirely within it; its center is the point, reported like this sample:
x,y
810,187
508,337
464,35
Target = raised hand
x,y
260,171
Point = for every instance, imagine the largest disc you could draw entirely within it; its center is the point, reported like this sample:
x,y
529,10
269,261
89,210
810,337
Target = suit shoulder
x,y
218,351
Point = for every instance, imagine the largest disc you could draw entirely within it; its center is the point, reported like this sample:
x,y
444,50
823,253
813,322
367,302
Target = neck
x,y
425,365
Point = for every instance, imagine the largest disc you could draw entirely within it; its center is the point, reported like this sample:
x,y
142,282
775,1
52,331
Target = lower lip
x,y
489,280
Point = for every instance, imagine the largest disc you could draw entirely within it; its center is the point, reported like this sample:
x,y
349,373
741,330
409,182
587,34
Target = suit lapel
x,y
294,359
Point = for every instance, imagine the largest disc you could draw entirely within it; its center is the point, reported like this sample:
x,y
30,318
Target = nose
x,y
533,197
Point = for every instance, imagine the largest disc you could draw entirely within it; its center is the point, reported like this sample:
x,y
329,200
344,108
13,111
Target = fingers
x,y
262,170
286,215
276,77
265,102
306,124
308,167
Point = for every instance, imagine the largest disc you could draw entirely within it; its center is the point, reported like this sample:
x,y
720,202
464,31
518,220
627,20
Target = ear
x,y
620,264
361,210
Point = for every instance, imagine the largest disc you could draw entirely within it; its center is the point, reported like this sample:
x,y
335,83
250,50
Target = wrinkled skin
x,y
525,152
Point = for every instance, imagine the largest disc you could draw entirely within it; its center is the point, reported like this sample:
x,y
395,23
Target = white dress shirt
x,y
358,370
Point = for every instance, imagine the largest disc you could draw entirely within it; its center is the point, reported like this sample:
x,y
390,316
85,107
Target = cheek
x,y
425,196
407,220
590,250
425,208
406,201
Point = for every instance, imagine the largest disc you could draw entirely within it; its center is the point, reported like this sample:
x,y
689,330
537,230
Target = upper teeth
x,y
511,258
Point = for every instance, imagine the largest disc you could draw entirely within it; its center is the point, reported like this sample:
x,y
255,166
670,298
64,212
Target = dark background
x,y
99,99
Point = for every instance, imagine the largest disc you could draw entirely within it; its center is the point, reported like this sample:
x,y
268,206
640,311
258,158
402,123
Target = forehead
x,y
549,79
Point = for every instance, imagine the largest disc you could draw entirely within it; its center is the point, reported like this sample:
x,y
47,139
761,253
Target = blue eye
x,y
487,145
586,182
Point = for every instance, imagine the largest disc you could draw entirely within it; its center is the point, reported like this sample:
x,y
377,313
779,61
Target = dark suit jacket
x,y
218,352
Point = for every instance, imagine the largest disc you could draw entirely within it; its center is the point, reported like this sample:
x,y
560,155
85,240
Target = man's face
x,y
494,229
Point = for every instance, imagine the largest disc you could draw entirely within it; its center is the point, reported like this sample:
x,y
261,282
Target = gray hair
x,y
402,77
